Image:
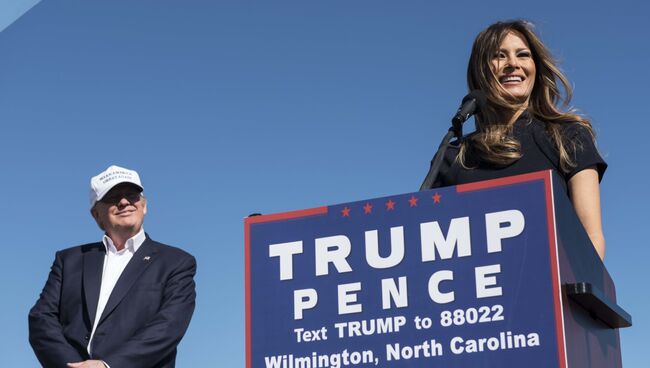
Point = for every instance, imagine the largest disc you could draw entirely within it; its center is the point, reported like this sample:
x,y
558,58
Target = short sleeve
x,y
582,150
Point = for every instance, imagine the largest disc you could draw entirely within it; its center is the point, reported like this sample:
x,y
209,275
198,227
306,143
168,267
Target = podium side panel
x,y
590,343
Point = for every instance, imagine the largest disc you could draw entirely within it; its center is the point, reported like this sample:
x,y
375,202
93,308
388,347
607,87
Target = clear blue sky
x,y
232,107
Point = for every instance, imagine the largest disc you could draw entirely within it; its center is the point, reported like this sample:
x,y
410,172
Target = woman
x,y
521,129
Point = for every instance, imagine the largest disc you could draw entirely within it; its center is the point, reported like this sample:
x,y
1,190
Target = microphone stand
x,y
454,130
471,104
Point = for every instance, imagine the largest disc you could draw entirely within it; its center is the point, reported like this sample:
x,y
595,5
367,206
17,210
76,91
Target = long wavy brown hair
x,y
492,141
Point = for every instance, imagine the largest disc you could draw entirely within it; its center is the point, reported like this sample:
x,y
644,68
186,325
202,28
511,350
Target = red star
x,y
345,212
413,201
367,208
436,198
390,205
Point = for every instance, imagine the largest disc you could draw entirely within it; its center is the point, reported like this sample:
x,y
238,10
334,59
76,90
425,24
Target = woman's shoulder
x,y
579,143
570,132
577,131
568,129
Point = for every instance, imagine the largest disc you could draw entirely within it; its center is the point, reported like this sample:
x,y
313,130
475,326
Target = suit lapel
x,y
134,269
93,262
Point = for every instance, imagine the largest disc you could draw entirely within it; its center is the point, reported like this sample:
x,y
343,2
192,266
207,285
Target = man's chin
x,y
126,228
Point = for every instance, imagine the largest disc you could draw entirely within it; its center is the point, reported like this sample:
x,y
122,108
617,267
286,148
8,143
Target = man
x,y
123,302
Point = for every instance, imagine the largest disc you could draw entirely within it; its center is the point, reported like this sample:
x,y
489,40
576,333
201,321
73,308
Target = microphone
x,y
472,104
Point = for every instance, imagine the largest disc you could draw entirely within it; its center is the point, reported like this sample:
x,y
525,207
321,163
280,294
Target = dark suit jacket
x,y
144,319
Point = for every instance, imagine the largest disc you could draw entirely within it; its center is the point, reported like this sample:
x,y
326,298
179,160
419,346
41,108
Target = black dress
x,y
538,153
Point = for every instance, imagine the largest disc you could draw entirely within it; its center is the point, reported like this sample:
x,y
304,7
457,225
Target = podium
x,y
498,273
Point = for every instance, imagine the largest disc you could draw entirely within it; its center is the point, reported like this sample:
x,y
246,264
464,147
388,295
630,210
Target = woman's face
x,y
514,67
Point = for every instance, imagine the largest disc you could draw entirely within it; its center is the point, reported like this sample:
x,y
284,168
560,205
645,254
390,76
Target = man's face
x,y
121,210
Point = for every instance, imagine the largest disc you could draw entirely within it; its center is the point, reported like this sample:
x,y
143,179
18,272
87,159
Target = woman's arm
x,y
584,192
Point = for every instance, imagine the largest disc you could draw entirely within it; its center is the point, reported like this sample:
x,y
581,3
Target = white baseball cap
x,y
103,182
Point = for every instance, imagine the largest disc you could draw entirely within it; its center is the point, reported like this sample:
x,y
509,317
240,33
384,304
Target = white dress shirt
x,y
114,263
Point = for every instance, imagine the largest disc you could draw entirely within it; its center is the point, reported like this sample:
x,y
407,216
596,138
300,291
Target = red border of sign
x,y
248,221
546,176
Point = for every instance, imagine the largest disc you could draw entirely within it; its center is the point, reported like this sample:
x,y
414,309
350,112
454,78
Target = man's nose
x,y
123,202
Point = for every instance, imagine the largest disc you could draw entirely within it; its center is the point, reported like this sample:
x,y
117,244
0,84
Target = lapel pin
x,y
146,258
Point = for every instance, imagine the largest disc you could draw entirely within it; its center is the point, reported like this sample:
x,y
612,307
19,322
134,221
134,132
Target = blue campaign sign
x,y
463,276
